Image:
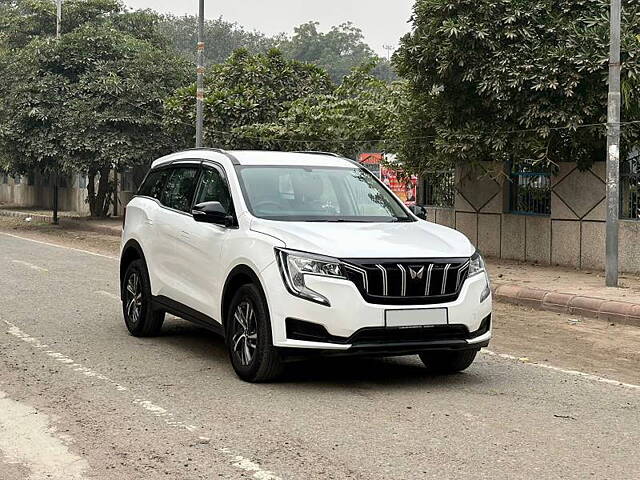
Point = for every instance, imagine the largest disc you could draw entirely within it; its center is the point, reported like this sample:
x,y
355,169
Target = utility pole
x,y
389,49
200,81
613,148
55,174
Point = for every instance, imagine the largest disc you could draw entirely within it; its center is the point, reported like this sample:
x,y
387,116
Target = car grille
x,y
415,282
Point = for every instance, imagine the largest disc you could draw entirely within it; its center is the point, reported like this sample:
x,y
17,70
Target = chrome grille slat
x,y
385,282
444,279
426,288
404,280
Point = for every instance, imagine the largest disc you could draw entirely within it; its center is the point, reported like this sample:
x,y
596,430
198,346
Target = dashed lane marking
x,y
30,265
59,246
168,417
575,373
107,294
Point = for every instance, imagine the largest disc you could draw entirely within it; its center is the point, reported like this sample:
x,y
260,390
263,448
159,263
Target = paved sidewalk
x,y
561,289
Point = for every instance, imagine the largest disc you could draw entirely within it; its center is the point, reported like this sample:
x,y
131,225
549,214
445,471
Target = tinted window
x,y
152,186
213,188
180,188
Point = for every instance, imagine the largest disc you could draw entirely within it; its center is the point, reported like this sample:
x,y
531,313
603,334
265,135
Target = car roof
x,y
258,157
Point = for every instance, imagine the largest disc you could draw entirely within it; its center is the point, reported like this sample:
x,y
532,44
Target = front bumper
x,y
351,325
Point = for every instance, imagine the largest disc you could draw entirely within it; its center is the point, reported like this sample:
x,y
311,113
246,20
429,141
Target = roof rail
x,y
316,152
233,159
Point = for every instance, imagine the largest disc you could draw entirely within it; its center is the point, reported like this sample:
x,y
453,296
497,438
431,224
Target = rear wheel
x,y
249,340
447,362
139,316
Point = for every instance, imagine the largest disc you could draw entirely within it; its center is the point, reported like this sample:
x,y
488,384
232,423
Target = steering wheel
x,y
267,203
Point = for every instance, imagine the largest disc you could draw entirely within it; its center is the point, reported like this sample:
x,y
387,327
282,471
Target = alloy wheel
x,y
134,298
245,332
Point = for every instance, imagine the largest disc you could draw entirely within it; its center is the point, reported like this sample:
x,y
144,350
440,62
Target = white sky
x,y
382,21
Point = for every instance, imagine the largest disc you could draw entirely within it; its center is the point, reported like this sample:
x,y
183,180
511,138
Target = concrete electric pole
x,y
55,174
200,80
613,148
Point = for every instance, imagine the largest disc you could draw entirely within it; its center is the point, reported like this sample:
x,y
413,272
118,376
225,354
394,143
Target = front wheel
x,y
139,316
447,362
248,335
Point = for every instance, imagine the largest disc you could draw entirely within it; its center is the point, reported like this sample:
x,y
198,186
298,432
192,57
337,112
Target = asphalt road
x,y
81,399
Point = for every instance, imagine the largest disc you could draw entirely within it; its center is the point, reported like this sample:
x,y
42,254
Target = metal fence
x,y
530,190
439,189
630,188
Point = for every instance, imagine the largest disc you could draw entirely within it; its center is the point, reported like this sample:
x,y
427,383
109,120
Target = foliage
x,y
480,70
338,51
245,90
352,118
221,37
93,102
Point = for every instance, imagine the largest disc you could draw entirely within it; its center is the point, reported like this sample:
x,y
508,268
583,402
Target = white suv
x,y
287,254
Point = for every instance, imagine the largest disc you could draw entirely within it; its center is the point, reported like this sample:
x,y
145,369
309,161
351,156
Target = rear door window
x,y
152,186
180,188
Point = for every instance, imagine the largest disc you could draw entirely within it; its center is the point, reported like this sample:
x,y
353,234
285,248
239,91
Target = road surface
x,y
81,399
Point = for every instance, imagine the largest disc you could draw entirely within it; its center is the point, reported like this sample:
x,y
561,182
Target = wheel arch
x,y
130,252
239,275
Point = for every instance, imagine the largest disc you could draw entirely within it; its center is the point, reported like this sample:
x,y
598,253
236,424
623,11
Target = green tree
x,y
93,101
245,90
354,117
338,51
480,70
221,37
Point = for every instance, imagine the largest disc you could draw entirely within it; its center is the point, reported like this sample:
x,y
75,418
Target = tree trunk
x,y
99,201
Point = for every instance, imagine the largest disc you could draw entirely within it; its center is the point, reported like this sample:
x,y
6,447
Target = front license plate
x,y
416,318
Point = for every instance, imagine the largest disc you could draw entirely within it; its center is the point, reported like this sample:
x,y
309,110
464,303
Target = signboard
x,y
404,187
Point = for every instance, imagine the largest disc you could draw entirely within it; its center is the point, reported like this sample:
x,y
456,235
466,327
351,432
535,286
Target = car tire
x,y
248,337
139,316
448,362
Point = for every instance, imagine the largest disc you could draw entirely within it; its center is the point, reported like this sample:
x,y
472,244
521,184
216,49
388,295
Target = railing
x,y
630,188
530,190
439,189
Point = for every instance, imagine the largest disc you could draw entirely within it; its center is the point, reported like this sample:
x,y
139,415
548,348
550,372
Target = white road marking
x,y
107,294
249,466
574,373
29,265
26,438
149,407
59,246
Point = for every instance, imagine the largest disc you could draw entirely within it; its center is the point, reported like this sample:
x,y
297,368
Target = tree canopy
x,y
93,100
338,51
502,79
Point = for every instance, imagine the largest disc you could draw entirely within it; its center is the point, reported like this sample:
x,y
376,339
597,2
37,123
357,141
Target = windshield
x,y
318,194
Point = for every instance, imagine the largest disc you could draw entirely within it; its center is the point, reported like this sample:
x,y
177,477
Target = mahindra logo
x,y
416,273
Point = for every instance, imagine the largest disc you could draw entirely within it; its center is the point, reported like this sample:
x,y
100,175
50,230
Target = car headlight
x,y
296,266
476,265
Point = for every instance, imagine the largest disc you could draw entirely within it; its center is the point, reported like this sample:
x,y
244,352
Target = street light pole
x,y
613,147
55,174
200,80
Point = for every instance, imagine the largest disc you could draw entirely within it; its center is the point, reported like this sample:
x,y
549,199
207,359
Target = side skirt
x,y
178,309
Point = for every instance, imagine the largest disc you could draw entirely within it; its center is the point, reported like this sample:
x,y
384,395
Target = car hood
x,y
369,240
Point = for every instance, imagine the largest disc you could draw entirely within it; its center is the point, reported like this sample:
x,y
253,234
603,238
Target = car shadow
x,y
338,372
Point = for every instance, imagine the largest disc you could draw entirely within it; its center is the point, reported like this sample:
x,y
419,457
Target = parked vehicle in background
x,y
287,254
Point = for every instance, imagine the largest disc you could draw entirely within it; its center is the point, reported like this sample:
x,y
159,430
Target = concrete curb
x,y
612,311
73,222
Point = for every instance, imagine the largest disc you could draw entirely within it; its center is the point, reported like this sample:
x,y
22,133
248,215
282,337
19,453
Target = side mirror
x,y
419,211
212,212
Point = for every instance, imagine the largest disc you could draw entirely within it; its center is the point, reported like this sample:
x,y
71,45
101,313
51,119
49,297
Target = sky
x,y
383,22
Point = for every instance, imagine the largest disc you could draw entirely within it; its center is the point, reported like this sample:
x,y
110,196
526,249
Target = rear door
x,y
174,226
202,248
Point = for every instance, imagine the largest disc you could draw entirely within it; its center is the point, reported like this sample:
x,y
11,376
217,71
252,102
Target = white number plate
x,y
416,318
